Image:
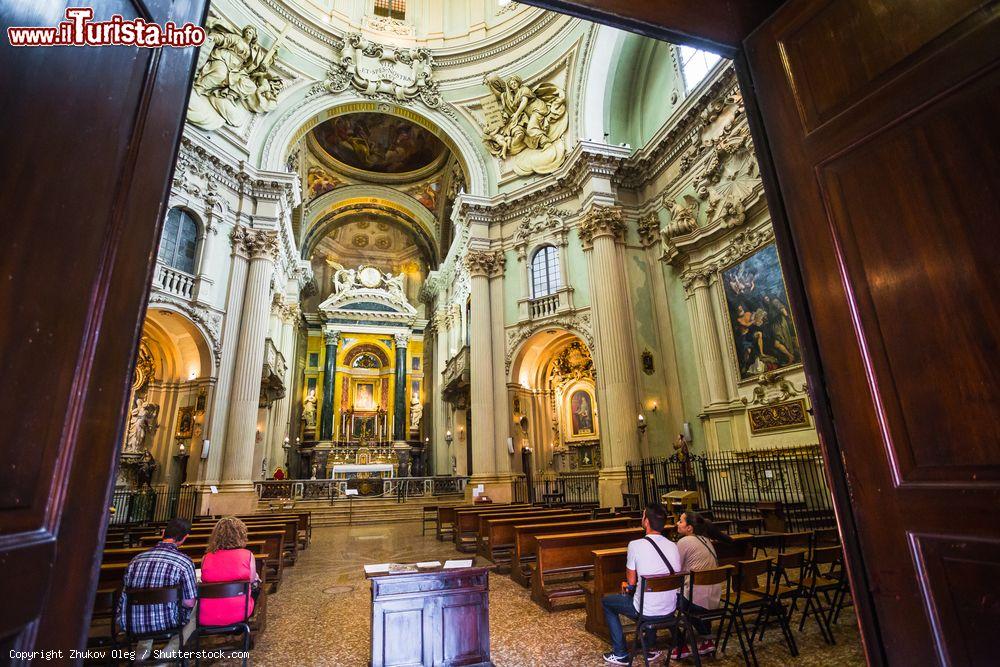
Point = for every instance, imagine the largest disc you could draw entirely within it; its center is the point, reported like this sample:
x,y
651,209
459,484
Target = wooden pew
x,y
609,573
445,522
126,554
741,548
570,554
467,523
304,519
523,553
274,541
289,526
482,530
496,534
293,537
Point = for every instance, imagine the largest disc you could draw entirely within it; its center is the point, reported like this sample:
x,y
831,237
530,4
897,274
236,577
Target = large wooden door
x,y
88,136
882,121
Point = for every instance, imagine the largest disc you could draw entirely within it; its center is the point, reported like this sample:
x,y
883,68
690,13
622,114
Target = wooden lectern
x,y
432,618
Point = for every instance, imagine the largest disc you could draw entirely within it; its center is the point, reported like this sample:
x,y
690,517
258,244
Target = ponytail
x,y
706,528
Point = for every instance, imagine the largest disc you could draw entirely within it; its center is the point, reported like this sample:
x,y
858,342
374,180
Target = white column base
x,y
496,487
231,499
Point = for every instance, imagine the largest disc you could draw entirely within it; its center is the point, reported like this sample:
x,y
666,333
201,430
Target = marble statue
x,y
142,422
237,79
309,409
527,124
145,470
416,413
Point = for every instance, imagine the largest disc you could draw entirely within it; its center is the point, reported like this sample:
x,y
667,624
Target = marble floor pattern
x,y
321,616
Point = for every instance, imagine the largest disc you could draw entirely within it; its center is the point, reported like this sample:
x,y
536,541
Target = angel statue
x,y
416,413
142,422
235,80
344,279
532,120
682,216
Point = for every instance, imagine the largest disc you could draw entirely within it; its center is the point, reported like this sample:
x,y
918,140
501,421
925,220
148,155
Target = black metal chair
x,y
724,613
823,580
747,599
778,593
675,622
144,597
227,589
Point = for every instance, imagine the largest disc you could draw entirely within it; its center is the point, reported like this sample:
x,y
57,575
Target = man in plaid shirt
x,y
162,566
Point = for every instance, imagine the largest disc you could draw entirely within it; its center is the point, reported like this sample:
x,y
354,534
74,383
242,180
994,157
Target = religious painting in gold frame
x,y
580,414
363,395
185,421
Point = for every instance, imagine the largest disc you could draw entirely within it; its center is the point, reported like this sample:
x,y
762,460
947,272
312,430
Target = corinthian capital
x,y
402,339
602,221
238,239
262,244
485,263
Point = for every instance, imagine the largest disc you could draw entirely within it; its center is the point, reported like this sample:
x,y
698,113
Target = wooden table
x,y
433,617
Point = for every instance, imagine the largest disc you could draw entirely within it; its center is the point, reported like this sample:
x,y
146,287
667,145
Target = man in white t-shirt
x,y
643,560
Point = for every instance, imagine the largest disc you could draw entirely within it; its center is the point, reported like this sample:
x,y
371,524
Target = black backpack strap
x,y
665,561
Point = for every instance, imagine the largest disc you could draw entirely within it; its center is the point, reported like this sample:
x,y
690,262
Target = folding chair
x,y
227,589
746,599
724,613
778,593
144,597
675,622
826,583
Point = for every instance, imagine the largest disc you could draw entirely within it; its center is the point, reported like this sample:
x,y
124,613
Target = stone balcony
x,y
272,385
455,377
174,282
544,307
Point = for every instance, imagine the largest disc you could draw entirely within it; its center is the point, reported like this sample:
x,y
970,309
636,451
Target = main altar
x,y
363,381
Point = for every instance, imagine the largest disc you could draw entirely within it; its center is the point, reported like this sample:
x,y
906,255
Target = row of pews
x,y
573,556
275,539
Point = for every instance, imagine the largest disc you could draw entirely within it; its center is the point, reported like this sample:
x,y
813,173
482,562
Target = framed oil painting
x,y
364,396
763,334
580,417
185,422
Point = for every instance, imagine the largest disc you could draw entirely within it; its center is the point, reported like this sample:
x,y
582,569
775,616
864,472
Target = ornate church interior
x,y
455,301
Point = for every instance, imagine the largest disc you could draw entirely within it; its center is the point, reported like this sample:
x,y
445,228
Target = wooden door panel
x,y
88,139
898,213
826,69
958,575
883,133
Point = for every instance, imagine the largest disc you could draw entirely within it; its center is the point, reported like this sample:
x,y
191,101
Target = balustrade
x,y
393,487
173,281
544,306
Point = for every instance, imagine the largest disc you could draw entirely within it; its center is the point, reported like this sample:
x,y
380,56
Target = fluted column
x,y
399,400
230,342
332,338
699,286
238,465
481,264
601,229
501,415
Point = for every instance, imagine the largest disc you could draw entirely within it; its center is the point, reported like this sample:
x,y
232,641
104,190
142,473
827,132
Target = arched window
x,y
393,9
695,65
179,241
544,272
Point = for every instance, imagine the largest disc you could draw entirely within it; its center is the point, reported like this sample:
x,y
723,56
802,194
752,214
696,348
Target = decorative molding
x,y
778,417
602,221
576,323
384,72
210,321
485,263
525,124
773,388
648,229
541,220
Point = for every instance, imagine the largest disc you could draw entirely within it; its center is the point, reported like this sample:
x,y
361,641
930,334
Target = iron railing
x,y
400,488
159,503
564,489
733,485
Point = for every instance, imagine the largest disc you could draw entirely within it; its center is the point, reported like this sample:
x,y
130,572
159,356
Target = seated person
x,y
698,553
648,556
228,559
162,566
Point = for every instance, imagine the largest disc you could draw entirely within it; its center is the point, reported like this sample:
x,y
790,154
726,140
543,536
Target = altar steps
x,y
368,511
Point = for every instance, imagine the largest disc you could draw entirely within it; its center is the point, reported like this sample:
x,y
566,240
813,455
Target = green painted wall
x,y
576,271
643,85
514,287
687,356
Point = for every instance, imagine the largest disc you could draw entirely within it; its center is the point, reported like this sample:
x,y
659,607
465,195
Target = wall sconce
x,y
447,437
653,406
642,424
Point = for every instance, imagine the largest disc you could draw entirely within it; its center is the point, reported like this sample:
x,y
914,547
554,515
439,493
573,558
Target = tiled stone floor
x,y
321,615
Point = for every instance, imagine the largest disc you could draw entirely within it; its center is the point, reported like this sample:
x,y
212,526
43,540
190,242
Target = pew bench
x,y
497,534
523,554
562,560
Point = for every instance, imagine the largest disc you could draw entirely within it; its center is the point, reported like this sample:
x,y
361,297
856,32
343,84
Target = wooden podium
x,y
432,618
